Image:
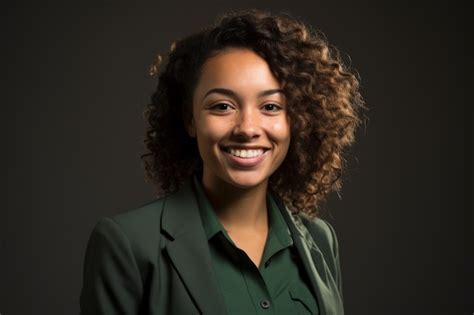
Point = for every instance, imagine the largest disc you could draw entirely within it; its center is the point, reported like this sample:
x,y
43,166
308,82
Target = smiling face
x,y
238,105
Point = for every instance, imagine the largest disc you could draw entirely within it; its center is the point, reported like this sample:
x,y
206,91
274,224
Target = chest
x,y
251,242
272,281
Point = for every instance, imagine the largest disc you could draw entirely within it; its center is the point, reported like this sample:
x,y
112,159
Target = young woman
x,y
246,132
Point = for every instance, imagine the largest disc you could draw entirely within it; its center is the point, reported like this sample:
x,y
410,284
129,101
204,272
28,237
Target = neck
x,y
237,208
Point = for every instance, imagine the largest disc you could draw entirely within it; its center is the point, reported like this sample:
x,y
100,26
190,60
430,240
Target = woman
x,y
245,139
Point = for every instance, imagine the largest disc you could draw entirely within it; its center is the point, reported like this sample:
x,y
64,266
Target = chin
x,y
246,179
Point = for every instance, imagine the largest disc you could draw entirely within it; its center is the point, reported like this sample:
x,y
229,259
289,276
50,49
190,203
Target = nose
x,y
247,124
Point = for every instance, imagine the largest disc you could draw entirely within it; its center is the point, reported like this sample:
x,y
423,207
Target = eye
x,y
272,107
222,107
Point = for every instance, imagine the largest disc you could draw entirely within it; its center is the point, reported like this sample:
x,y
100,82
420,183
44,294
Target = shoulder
x,y
321,230
324,236
136,230
119,252
131,222
144,218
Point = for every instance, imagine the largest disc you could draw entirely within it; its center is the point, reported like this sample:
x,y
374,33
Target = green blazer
x,y
156,260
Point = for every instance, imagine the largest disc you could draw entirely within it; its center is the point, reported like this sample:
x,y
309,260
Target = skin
x,y
241,118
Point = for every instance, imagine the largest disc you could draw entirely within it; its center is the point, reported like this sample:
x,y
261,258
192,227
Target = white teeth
x,y
245,153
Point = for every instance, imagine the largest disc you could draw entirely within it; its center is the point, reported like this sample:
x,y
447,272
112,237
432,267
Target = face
x,y
239,119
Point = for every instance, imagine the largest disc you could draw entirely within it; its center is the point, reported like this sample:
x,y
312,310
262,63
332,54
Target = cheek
x,y
211,131
280,130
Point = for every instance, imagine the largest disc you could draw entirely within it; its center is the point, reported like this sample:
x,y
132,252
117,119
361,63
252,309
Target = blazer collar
x,y
321,279
190,254
189,250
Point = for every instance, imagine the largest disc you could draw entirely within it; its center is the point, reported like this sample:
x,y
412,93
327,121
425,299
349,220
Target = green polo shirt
x,y
279,286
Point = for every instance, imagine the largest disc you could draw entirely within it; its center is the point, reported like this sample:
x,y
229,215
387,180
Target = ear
x,y
191,128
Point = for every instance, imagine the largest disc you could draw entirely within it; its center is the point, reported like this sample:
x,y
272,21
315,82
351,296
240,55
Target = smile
x,y
245,153
245,158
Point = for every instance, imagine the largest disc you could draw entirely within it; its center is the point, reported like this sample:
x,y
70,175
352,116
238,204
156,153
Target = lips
x,y
245,162
237,147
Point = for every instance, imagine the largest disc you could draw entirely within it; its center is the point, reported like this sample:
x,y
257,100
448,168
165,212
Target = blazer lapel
x,y
322,283
189,250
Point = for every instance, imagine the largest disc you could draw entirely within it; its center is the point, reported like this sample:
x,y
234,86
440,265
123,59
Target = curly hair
x,y
322,95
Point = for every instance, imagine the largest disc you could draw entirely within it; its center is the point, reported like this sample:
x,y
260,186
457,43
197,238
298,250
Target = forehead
x,y
237,68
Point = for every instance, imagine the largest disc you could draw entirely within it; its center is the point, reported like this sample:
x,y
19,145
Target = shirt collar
x,y
212,225
209,218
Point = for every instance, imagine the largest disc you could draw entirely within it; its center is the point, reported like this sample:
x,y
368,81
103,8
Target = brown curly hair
x,y
322,95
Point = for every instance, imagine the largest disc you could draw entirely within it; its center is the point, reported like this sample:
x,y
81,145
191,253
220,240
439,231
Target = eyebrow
x,y
233,94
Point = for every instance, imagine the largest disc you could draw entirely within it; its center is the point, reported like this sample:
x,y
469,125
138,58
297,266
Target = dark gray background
x,y
74,91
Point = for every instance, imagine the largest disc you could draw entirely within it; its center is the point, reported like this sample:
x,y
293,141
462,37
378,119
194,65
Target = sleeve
x,y
111,278
337,263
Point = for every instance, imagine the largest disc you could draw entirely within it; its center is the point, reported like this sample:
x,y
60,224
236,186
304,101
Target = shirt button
x,y
265,304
